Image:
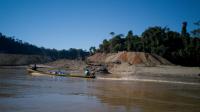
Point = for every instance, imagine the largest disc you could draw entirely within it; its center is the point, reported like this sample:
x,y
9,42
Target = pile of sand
x,y
125,62
129,57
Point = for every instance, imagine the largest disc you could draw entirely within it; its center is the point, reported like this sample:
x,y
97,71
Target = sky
x,y
64,24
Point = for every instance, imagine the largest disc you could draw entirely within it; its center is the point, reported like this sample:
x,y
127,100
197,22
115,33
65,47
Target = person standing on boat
x,y
87,73
34,67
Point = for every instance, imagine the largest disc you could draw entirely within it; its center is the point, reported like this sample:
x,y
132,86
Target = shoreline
x,y
163,73
151,80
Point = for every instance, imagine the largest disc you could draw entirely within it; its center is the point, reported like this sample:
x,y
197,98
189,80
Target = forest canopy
x,y
179,48
15,46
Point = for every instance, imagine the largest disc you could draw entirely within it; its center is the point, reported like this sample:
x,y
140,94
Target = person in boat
x,y
34,67
87,73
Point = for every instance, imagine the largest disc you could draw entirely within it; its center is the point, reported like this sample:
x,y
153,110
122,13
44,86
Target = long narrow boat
x,y
64,75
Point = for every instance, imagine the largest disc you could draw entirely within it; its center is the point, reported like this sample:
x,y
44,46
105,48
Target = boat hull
x,y
64,75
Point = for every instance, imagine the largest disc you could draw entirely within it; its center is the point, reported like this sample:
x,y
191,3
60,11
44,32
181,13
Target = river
x,y
21,92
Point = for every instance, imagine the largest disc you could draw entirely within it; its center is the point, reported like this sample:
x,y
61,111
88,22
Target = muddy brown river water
x,y
21,92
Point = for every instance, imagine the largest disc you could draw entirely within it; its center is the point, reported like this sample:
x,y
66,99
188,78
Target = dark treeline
x,y
179,48
15,46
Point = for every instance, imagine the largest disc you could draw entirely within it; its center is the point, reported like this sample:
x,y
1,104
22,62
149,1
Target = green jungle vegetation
x,y
180,48
15,46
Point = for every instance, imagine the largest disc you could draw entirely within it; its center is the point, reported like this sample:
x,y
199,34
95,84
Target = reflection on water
x,y
149,96
21,92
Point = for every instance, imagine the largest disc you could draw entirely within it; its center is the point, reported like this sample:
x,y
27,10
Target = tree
x,y
106,46
117,47
196,32
112,33
184,34
129,41
152,38
92,50
115,42
184,29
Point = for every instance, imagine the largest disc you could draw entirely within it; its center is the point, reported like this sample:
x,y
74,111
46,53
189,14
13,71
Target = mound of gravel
x,y
124,62
133,58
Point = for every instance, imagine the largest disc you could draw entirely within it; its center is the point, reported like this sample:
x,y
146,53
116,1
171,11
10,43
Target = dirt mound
x,y
131,58
124,62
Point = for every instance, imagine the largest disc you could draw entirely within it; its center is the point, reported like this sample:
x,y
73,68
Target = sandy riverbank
x,y
132,72
125,65
159,73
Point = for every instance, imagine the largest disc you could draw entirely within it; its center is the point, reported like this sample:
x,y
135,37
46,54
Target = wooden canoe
x,y
64,75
